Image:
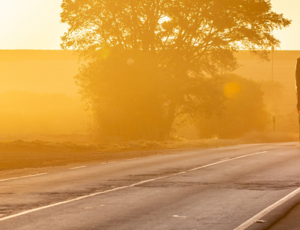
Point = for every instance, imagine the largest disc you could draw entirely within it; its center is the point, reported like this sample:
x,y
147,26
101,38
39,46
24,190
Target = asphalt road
x,y
209,189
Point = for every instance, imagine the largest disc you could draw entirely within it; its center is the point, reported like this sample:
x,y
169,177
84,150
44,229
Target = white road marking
x,y
176,216
267,210
260,221
21,177
80,167
226,160
123,187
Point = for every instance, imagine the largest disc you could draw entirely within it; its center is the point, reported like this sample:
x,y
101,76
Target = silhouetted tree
x,y
244,110
125,94
129,94
189,39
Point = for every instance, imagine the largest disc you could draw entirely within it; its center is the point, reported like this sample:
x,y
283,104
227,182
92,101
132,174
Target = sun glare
x,y
31,24
231,89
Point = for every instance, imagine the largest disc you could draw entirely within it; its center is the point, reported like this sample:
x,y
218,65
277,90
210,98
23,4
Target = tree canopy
x,y
244,111
130,94
189,39
169,24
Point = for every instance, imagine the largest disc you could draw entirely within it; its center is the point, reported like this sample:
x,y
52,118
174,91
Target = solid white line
x,y
123,187
267,210
80,167
21,177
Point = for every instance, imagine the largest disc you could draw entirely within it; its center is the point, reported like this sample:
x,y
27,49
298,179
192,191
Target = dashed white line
x,y
176,216
80,167
124,187
267,210
225,160
21,177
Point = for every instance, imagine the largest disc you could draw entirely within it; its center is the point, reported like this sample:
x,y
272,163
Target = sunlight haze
x,y
289,37
149,114
35,24
30,24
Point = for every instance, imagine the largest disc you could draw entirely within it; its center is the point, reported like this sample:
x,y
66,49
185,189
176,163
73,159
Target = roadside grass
x,y
22,154
269,137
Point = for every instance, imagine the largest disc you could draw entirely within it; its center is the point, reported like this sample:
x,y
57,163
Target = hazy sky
x,y
35,24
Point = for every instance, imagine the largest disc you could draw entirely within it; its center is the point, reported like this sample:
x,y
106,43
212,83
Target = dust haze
x,y
152,75
39,98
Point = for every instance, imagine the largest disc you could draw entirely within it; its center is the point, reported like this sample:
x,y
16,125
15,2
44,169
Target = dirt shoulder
x,y
39,154
42,154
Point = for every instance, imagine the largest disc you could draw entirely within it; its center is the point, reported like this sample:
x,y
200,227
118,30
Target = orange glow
x,y
231,89
31,24
38,24
38,93
289,36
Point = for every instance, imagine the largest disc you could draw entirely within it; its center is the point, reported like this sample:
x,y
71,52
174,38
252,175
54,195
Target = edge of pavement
x,y
276,215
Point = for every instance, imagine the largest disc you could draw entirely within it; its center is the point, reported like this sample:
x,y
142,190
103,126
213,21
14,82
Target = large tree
x,y
191,39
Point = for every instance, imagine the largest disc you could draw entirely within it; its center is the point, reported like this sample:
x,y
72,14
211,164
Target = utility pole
x,y
274,106
298,90
272,63
299,125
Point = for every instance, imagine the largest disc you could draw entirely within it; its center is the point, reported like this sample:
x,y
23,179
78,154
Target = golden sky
x,y
35,24
30,24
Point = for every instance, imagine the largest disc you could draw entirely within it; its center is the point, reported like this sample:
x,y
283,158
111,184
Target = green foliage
x,y
244,110
176,45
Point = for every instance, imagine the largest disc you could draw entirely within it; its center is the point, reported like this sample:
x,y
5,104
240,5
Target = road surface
x,y
208,189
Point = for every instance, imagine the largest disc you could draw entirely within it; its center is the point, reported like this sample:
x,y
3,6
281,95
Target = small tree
x,y
244,110
125,94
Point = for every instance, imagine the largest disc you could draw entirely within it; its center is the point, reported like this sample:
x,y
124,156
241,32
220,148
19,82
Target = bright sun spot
x,y
231,89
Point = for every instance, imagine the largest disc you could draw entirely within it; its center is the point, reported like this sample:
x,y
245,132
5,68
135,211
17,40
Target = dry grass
x,y
268,137
36,154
